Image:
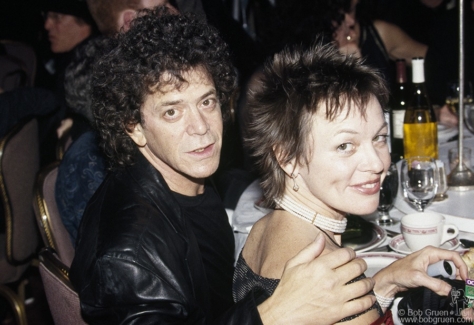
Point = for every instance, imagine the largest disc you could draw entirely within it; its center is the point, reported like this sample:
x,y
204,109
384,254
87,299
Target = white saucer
x,y
398,245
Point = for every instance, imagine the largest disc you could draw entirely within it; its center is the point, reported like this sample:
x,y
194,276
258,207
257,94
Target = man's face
x,y
65,31
181,132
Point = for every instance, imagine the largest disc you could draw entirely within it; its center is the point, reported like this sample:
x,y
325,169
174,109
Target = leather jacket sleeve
x,y
119,287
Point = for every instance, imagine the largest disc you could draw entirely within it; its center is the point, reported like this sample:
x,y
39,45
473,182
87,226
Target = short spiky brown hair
x,y
295,84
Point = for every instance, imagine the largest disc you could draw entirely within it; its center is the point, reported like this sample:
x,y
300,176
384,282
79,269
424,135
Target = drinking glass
x,y
388,193
418,177
441,179
452,96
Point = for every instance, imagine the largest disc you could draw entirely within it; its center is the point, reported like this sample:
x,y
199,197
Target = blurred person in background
x,y
83,167
68,25
113,16
436,24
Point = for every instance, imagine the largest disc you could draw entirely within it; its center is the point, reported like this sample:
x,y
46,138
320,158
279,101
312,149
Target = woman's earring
x,y
295,186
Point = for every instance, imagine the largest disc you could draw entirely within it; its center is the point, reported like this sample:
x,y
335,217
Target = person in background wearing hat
x,y
68,25
66,31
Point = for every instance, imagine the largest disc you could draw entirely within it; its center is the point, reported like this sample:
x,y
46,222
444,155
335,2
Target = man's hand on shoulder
x,y
314,289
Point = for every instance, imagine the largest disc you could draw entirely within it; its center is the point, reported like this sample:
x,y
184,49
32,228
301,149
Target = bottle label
x,y
398,116
421,139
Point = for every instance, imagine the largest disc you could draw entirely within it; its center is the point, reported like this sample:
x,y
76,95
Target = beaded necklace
x,y
317,219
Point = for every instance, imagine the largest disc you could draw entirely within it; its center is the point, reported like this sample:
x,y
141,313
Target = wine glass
x,y
419,183
441,179
452,95
388,193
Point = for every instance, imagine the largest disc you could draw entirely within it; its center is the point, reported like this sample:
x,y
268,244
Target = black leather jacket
x,y
137,260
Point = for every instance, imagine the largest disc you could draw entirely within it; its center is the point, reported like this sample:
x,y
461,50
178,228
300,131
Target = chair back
x,y
17,65
63,300
51,226
19,164
63,144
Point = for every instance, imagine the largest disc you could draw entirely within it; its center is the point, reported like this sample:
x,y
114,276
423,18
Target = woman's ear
x,y
290,168
137,134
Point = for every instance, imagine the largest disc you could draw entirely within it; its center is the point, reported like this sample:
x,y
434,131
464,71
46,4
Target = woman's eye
x,y
345,147
381,138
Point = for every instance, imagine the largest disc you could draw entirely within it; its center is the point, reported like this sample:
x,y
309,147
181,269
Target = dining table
x,y
384,244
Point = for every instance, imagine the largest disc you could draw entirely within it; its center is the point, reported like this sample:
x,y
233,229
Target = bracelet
x,y
384,302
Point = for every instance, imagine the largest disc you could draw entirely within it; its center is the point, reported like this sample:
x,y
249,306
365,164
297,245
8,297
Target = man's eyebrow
x,y
175,102
210,92
171,102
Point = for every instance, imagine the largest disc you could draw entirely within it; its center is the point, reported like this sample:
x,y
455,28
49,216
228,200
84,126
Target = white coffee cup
x,y
426,229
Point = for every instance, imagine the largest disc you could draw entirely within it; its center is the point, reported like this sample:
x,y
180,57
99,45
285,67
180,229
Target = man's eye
x,y
170,113
209,102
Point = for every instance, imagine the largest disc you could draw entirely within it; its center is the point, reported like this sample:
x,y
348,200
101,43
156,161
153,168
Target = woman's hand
x,y
411,272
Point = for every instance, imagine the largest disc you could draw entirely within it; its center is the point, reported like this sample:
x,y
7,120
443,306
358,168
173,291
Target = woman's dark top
x,y
374,52
245,280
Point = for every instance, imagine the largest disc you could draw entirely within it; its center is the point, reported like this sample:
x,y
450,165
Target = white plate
x,y
378,260
398,245
372,237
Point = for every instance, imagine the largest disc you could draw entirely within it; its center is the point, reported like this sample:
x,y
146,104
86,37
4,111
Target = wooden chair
x,y
63,300
51,226
19,163
63,144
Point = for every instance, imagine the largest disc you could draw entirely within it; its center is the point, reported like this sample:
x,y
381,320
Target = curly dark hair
x,y
158,42
294,86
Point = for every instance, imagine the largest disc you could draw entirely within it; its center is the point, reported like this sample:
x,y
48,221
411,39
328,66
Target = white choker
x,y
299,210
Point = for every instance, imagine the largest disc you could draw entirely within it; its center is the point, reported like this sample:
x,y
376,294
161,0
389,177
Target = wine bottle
x,y
398,104
420,130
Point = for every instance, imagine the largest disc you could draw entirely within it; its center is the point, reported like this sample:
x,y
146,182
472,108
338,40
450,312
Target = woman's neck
x,y
308,200
330,220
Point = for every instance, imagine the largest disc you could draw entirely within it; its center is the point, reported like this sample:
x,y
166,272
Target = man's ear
x,y
290,168
125,19
137,134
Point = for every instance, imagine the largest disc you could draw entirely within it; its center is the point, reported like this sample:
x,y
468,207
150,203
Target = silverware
x,y
391,232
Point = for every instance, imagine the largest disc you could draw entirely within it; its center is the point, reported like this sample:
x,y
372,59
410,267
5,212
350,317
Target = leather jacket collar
x,y
155,187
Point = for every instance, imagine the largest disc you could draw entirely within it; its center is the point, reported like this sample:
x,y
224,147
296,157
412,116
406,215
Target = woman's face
x,y
349,160
345,32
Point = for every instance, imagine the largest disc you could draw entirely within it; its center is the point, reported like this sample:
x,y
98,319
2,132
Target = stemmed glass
x,y
388,193
419,181
452,96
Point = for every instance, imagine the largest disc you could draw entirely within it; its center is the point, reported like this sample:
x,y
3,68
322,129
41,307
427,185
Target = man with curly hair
x,y
155,245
